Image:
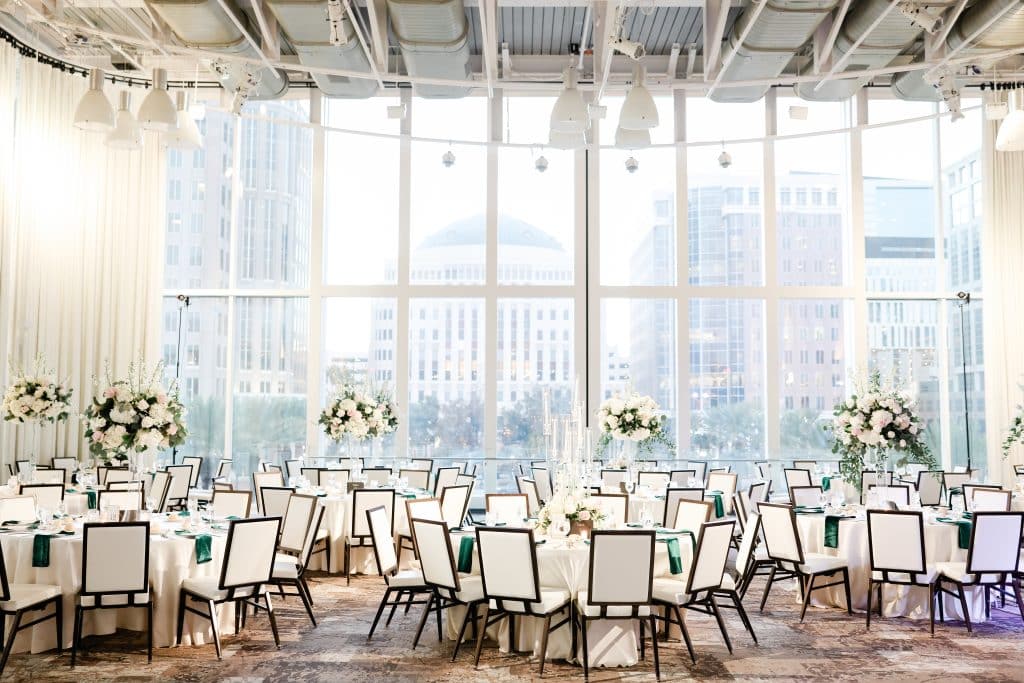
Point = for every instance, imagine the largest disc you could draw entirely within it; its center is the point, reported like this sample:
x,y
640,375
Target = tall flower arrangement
x,y
1016,432
36,396
134,414
359,414
633,418
877,419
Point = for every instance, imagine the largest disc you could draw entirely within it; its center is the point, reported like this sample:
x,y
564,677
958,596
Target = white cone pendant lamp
x,y
638,110
560,140
1010,137
157,111
126,133
632,139
94,112
186,135
570,114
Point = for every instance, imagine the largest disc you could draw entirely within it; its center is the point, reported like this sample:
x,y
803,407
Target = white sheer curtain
x,y
81,245
1003,247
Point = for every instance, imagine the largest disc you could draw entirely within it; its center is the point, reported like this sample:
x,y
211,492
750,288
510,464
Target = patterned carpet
x,y
828,646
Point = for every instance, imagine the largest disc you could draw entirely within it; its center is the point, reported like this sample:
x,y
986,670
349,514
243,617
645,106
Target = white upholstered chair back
x,y
764,470
197,464
52,476
117,474
311,532
336,478
417,478
744,507
115,562
124,486
180,477
466,480
508,564
896,494
751,530
991,500
446,476
380,475
955,480
297,518
995,542
621,566
808,465
796,476
47,496
422,463
610,479
275,500
698,466
672,497
780,536
507,508
249,556
681,478
363,500
261,479
929,487
292,468
758,493
654,480
726,483
528,487
542,479
805,495
383,541
310,474
690,514
124,500
69,465
614,506
231,503
708,564
424,508
434,549
871,478
224,468
454,501
18,509
896,540
158,489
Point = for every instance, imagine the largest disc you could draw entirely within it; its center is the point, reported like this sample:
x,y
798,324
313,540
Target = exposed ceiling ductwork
x,y
304,24
434,37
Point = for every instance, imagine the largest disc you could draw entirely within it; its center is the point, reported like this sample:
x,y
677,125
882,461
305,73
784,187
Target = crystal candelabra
x,y
568,448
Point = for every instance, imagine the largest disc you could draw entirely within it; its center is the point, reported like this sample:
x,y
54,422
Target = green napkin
x,y
91,495
826,483
41,550
232,517
963,538
832,531
204,548
719,507
675,562
409,495
466,554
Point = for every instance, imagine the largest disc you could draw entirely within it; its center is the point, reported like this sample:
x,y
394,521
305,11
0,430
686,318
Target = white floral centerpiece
x,y
36,396
578,510
133,415
875,420
358,414
633,418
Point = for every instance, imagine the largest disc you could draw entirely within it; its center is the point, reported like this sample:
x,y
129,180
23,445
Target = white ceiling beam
x,y
673,61
716,13
267,23
143,31
948,22
585,38
607,17
377,10
823,53
240,25
506,62
691,59
353,17
734,50
857,43
487,13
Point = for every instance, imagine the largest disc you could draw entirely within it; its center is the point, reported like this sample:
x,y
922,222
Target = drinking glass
x,y
958,506
62,509
151,504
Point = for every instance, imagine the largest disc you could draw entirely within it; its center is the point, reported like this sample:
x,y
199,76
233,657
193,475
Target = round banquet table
x,y
941,545
171,561
565,564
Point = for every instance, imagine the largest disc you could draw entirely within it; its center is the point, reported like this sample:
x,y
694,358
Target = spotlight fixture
x,y
448,160
157,111
632,164
541,164
336,18
630,48
569,115
945,82
724,159
632,139
126,133
639,112
186,135
94,112
1010,137
922,16
242,92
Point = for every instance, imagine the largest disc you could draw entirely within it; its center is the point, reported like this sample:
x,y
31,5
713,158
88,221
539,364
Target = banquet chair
x,y
158,490
301,516
897,494
804,496
47,496
422,508
929,487
275,500
177,490
299,530
758,493
461,465
611,479
896,552
700,467
310,474
511,584
764,470
381,475
969,491
105,474
124,500
18,509
614,507
261,479
223,469
725,468
196,462
466,480
359,533
726,483
400,585
19,599
335,478
446,476
507,508
455,505
808,465
1018,470
528,487
672,497
50,476
292,468
681,477
448,587
654,480
991,500
797,477
115,575
542,479
270,467
690,514
751,557
619,586
69,465
247,569
791,562
418,479
222,486
422,464
952,483
24,467
993,561
231,504
471,469
125,486
743,508
869,478
706,579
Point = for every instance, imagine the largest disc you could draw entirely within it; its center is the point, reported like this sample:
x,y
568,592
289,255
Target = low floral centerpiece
x,y
133,415
632,420
876,421
36,396
579,511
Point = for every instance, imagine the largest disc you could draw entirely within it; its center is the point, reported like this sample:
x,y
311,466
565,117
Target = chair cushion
x,y
24,595
551,600
930,572
472,588
815,563
285,570
589,610
207,587
321,534
761,553
957,571
728,584
411,578
672,591
285,558
113,600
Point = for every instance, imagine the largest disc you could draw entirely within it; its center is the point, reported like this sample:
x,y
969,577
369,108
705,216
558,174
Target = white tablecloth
x,y
171,561
941,545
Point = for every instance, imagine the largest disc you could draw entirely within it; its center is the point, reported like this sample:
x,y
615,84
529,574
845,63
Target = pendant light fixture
x,y
126,133
570,115
639,112
632,139
157,111
94,112
186,135
1011,131
561,140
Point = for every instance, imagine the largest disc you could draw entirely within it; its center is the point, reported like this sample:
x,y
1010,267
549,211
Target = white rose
x,y
121,393
903,443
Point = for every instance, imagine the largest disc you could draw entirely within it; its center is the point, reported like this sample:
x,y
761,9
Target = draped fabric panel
x,y
1003,249
81,246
